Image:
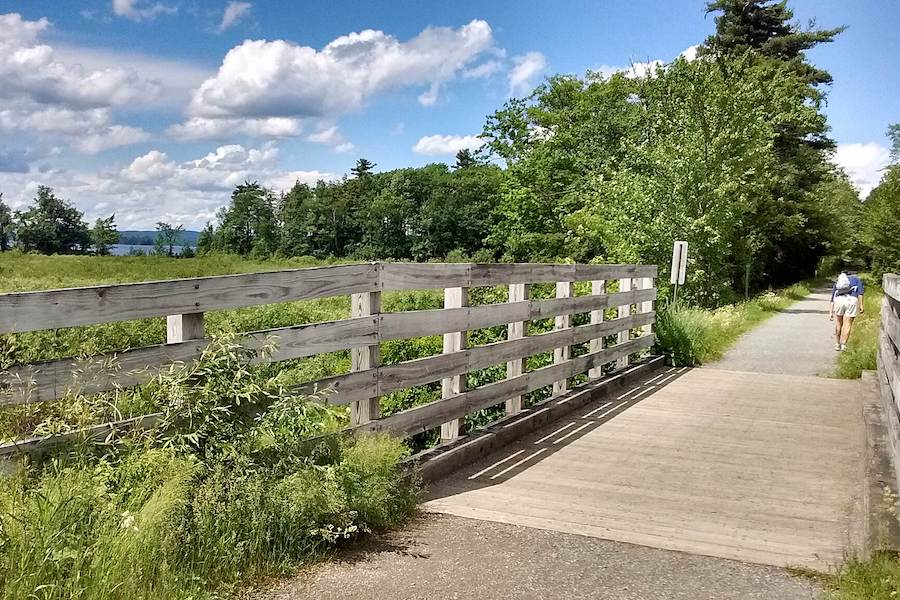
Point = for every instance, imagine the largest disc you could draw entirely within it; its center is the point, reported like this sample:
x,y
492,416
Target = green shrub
x,y
236,482
875,579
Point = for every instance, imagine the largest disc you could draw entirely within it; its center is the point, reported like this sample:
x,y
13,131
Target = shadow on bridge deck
x,y
755,467
538,447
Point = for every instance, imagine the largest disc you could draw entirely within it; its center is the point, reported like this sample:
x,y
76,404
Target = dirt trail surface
x,y
446,557
797,341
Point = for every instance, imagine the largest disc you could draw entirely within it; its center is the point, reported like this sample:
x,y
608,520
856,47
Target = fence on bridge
x,y
889,363
184,301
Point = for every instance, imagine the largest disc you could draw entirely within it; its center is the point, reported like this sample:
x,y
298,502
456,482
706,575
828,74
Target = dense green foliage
x,y
52,226
882,218
691,336
418,214
5,225
230,484
104,235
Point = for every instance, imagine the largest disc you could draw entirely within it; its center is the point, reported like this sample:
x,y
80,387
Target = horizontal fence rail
x,y
889,363
184,301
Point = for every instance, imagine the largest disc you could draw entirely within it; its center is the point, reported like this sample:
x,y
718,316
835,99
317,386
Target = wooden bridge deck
x,y
755,467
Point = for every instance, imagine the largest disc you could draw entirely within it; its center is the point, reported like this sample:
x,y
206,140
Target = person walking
x,y
846,304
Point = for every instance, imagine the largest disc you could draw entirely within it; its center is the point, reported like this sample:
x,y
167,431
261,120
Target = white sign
x,y
679,263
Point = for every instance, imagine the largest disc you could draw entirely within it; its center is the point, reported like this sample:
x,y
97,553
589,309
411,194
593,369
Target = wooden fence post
x,y
598,288
647,305
456,297
518,292
625,285
181,328
561,355
365,304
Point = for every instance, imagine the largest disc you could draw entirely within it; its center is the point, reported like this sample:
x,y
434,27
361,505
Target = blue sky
x,y
154,109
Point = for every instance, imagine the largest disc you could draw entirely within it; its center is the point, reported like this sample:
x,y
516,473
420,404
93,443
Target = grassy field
x,y
694,336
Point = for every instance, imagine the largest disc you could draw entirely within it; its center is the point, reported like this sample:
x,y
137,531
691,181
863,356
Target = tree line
x,y
729,151
54,226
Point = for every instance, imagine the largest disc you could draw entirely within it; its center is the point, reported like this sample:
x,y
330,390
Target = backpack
x,y
842,286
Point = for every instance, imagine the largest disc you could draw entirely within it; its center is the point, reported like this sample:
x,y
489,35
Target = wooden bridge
x,y
761,467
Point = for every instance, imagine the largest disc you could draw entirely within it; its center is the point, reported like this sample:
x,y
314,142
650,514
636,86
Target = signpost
x,y
679,266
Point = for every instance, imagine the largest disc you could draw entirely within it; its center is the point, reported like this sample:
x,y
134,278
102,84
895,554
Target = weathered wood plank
x,y
891,285
421,371
96,432
625,285
181,328
455,297
410,276
30,311
598,288
425,417
564,321
518,292
366,304
42,381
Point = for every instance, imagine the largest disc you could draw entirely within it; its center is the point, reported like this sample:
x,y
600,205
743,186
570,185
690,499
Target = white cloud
x,y
30,69
111,137
40,93
344,148
446,144
526,68
863,163
140,10
201,128
485,69
177,78
263,79
234,12
154,187
648,68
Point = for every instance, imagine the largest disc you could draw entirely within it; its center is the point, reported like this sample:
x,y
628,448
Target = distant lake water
x,y
126,249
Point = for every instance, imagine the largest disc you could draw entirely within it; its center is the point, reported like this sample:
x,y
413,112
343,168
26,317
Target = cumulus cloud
x,y
111,137
140,10
43,94
638,69
446,144
526,68
202,128
234,12
154,186
863,163
264,79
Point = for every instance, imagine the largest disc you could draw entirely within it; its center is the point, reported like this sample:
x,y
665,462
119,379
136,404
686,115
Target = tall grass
x,y
694,336
235,482
875,579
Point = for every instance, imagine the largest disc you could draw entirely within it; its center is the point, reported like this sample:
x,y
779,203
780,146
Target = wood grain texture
x,y
625,285
43,381
411,276
746,466
364,305
425,417
598,288
31,311
891,285
456,341
563,321
518,292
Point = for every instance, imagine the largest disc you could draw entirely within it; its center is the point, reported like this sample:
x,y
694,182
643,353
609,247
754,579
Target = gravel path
x,y
441,557
797,341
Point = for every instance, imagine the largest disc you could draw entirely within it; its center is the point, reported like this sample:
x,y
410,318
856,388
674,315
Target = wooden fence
x,y
889,364
184,301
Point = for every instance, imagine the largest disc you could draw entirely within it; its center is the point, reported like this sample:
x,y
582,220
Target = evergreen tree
x,y
52,225
464,159
206,239
766,27
363,167
104,235
248,225
296,212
